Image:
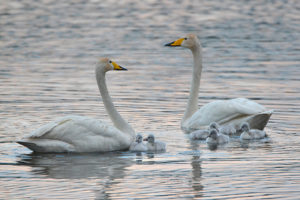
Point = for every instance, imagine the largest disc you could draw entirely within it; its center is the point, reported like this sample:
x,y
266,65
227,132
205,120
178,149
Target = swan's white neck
x,y
116,118
192,105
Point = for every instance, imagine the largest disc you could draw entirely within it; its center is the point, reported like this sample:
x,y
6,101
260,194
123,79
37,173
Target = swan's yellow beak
x,y
117,67
176,43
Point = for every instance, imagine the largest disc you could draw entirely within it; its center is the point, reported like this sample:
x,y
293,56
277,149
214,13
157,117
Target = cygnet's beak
x,y
118,67
145,139
176,43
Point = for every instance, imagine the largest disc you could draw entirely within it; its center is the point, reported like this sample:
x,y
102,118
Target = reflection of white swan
x,y
250,134
234,111
110,165
84,134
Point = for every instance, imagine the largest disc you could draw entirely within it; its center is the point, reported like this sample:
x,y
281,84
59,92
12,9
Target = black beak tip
x,y
123,68
169,44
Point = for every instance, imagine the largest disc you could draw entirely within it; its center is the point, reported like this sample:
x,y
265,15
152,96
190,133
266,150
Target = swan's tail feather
x,y
47,146
32,146
260,120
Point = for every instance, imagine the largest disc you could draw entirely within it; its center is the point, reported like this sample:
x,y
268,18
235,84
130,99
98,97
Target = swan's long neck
x,y
192,105
116,118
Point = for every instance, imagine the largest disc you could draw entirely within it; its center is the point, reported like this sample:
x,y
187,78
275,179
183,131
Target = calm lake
x,y
48,53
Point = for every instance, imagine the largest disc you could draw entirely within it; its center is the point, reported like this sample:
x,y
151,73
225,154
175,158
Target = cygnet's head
x,y
245,127
190,41
214,125
139,138
150,138
105,65
213,133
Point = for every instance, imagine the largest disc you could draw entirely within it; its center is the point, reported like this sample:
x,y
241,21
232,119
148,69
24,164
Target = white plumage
x,y
84,134
234,111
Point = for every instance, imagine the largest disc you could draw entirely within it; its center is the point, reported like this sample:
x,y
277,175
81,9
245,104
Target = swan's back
x,y
223,111
83,134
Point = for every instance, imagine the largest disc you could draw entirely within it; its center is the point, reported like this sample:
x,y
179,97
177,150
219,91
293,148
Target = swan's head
x,y
213,133
150,138
245,127
190,41
106,65
214,125
139,138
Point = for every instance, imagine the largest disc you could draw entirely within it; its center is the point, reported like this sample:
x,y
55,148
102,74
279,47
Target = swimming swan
x,y
250,134
138,145
234,111
84,134
216,138
203,134
153,145
227,129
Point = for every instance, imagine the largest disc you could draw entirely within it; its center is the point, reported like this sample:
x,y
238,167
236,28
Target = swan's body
x,y
234,111
216,138
138,144
251,134
84,134
153,145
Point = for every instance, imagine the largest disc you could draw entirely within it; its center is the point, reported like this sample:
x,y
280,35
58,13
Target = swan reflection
x,y
77,166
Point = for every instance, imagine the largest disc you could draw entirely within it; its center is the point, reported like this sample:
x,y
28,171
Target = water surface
x,y
47,57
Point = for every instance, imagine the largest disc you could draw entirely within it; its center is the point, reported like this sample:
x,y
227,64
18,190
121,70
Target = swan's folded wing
x,y
47,127
224,110
72,126
246,106
83,133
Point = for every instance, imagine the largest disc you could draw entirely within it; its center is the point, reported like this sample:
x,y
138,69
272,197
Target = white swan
x,y
234,111
250,134
138,145
216,138
84,134
153,145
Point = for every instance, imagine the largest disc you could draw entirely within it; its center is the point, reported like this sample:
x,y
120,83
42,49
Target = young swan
x,y
138,145
153,145
216,138
250,134
226,129
203,134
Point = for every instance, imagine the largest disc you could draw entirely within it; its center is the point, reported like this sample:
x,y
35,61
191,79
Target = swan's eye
x,y
185,38
110,61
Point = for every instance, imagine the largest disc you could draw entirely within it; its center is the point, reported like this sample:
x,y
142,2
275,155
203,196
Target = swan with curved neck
x,y
233,112
84,134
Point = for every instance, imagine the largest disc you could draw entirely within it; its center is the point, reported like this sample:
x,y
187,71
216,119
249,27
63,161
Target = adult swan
x,y
225,112
84,134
